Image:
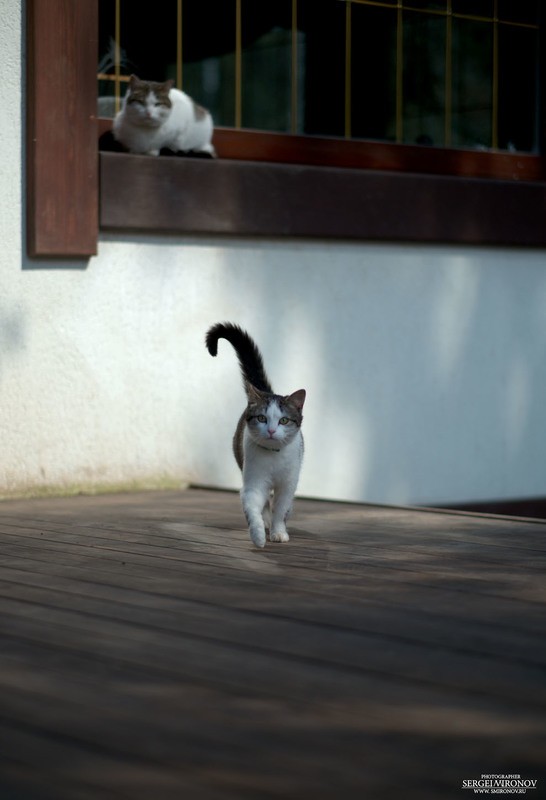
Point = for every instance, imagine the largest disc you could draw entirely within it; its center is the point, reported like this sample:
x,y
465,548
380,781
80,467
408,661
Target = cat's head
x,y
147,103
273,420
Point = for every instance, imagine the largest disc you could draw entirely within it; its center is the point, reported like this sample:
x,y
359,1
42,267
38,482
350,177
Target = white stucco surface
x,y
425,367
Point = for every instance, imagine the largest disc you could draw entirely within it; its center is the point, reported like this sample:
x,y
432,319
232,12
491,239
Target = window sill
x,y
230,197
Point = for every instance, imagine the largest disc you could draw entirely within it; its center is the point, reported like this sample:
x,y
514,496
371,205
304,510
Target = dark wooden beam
x,y
187,195
62,169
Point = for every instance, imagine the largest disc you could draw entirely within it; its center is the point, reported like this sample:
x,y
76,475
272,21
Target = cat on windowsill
x,y
156,118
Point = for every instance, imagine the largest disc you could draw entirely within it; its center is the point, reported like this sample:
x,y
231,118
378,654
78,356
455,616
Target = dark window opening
x,y
455,74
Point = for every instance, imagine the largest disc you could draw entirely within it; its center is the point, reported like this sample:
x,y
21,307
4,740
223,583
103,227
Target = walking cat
x,y
268,443
154,115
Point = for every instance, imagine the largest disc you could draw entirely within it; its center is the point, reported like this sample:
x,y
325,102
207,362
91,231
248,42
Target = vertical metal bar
x,y
540,122
448,119
179,75
238,65
294,70
348,75
117,56
399,73
495,87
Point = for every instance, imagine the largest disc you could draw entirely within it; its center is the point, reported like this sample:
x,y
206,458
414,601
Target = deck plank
x,y
149,651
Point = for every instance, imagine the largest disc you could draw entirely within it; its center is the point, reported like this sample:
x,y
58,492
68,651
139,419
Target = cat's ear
x,y
134,80
297,398
168,85
253,394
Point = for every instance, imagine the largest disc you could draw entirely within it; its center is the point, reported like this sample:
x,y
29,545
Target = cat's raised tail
x,y
250,358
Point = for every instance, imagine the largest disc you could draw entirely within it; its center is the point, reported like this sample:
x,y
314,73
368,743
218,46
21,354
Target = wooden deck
x,y
149,652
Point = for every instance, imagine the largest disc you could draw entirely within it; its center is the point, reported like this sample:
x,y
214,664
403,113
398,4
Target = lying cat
x,y
268,444
154,115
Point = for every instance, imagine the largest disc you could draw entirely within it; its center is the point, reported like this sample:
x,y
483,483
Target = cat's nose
x,y
271,431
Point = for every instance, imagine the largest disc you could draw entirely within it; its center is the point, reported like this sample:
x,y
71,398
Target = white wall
x,y
425,366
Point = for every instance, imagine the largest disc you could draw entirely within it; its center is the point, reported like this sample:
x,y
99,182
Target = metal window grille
x,y
428,82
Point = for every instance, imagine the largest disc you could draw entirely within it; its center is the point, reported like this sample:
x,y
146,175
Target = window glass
x,y
523,11
373,73
517,118
424,79
107,59
472,84
266,65
474,8
455,73
321,67
208,56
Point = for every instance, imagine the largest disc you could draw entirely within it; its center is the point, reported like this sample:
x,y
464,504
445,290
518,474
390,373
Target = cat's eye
x,y
261,418
284,420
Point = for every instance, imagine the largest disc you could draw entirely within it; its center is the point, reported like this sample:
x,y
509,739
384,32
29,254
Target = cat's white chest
x,y
272,466
270,478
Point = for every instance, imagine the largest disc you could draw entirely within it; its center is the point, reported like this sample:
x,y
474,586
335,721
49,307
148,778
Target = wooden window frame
x,y
263,184
62,161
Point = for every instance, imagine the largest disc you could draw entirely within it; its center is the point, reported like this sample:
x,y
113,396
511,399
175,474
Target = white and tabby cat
x,y
268,444
154,115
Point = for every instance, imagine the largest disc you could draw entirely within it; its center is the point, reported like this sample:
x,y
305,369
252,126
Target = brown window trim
x,y
62,164
315,151
320,188
249,145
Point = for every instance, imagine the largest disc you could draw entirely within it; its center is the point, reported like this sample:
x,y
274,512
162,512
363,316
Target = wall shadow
x,y
425,368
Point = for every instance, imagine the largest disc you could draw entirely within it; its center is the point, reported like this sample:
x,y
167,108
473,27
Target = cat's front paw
x,y
258,536
279,536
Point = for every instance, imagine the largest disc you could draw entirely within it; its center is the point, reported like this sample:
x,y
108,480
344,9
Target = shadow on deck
x,y
148,651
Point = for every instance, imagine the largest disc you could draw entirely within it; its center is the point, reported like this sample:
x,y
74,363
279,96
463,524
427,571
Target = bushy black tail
x,y
250,359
